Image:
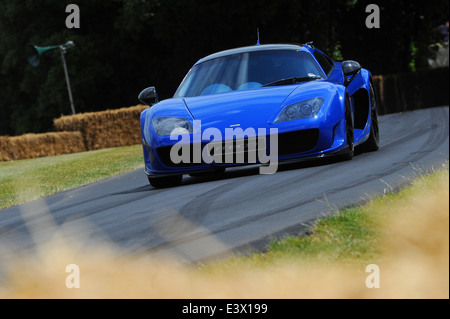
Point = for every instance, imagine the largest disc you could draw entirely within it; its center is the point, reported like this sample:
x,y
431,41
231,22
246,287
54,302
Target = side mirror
x,y
148,96
350,68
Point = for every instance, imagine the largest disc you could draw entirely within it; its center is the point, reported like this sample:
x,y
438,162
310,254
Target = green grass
x,y
351,237
26,180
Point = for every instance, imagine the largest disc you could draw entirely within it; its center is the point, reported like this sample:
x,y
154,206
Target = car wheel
x,y
373,143
164,182
349,132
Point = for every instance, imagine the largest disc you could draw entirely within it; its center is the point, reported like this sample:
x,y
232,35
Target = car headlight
x,y
172,125
300,110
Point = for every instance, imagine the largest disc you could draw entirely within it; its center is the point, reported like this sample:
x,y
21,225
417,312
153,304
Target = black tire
x,y
164,182
217,171
349,132
373,142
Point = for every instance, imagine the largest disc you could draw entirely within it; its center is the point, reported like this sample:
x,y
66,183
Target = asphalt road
x,y
239,211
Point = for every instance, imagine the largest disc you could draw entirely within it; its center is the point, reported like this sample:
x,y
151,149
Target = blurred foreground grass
x,y
26,180
406,235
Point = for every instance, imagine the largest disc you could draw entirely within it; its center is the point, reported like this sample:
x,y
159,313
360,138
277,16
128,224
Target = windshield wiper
x,y
293,80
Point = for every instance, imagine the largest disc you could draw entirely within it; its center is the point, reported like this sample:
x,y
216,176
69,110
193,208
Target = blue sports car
x,y
260,104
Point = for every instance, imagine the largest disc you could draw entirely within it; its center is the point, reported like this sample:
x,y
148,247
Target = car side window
x,y
325,62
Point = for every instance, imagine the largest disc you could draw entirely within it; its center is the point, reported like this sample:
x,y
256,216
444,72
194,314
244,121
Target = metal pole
x,y
63,52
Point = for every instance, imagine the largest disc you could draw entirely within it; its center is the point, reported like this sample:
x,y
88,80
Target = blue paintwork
x,y
257,107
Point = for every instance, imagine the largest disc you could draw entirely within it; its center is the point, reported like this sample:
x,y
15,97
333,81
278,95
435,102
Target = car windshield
x,y
249,70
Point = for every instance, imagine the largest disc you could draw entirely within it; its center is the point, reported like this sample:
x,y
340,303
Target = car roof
x,y
252,48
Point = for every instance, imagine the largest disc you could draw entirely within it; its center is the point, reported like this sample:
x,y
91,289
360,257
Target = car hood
x,y
250,108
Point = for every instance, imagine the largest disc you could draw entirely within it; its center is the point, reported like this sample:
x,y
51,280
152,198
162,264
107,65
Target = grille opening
x,y
246,150
164,156
362,106
297,141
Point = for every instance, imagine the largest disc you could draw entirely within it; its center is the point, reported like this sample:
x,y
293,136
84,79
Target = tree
x,y
124,46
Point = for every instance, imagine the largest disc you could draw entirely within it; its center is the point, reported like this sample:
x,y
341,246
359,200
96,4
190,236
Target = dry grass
x,y
414,264
40,145
77,133
30,179
106,129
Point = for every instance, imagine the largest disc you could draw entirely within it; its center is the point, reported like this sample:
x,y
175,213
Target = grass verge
x,y
354,236
406,235
26,180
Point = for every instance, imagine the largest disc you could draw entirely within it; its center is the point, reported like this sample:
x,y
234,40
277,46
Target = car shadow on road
x,y
245,171
241,171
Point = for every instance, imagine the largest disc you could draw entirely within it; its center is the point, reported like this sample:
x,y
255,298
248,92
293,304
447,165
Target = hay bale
x,y
111,128
40,145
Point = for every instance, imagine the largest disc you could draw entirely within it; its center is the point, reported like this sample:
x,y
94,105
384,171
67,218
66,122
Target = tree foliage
x,y
124,46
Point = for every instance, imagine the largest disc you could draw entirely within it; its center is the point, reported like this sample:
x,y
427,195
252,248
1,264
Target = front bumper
x,y
293,146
